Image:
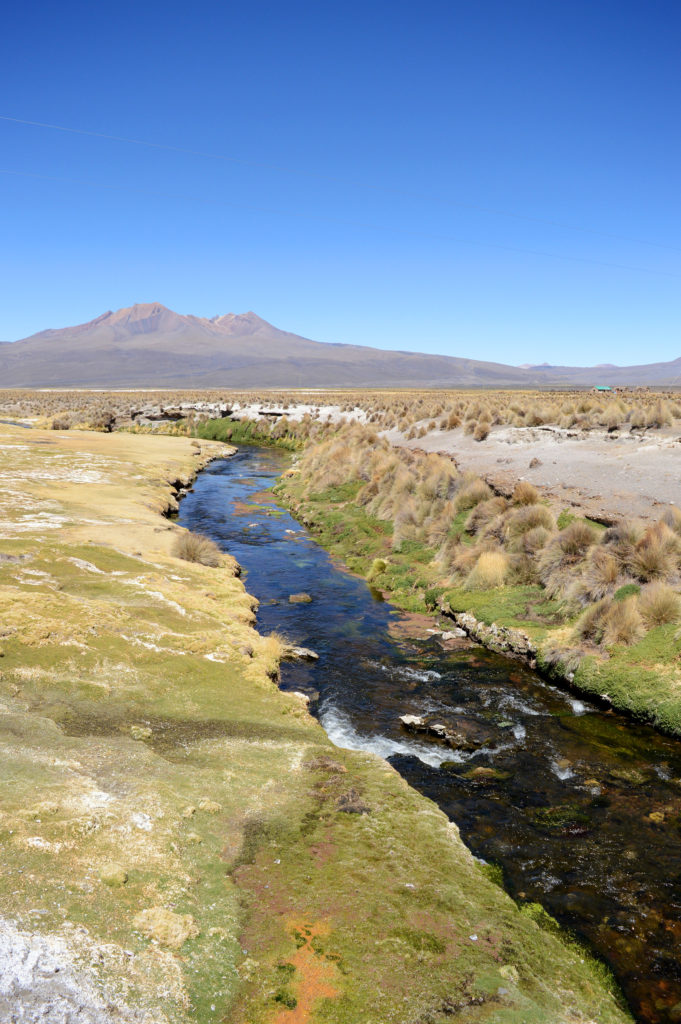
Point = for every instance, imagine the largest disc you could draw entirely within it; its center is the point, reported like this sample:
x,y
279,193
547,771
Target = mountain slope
x,y
148,345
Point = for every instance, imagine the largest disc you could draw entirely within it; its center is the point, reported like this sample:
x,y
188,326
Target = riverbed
x,y
579,808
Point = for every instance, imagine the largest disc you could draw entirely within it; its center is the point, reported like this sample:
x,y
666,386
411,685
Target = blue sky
x,y
496,179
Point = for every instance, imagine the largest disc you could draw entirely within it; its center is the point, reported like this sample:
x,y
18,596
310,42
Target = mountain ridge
x,y
148,344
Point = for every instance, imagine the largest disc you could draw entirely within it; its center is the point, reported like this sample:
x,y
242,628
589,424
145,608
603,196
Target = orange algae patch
x,y
314,974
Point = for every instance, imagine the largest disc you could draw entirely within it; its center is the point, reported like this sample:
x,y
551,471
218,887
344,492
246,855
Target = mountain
x,y
148,345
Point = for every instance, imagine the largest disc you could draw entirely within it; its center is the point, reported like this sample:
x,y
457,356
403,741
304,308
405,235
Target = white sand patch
x,y
88,566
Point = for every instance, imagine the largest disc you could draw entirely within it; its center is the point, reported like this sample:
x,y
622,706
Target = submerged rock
x,y
299,599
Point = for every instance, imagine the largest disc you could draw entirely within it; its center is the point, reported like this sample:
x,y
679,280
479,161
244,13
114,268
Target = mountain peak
x,y
139,311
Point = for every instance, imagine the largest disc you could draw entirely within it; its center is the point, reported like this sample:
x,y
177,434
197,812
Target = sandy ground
x,y
607,476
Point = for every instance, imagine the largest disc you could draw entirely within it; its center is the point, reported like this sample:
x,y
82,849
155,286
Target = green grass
x,y
244,432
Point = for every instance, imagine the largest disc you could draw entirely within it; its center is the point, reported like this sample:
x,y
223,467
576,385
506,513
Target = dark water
x,y
581,808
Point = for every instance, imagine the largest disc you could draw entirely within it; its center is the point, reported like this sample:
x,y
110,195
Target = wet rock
x,y
459,733
414,723
454,634
113,875
165,927
302,598
300,653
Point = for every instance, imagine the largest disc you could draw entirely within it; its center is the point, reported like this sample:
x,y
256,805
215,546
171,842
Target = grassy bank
x,y
601,606
184,832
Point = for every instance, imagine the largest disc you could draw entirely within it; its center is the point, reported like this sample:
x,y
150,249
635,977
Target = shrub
x,y
524,493
489,571
195,547
481,431
659,605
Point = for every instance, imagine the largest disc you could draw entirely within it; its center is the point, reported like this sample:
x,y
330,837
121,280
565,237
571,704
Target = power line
x,y
387,190
203,200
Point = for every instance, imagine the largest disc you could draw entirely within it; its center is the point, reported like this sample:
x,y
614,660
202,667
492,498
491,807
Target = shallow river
x,y
580,808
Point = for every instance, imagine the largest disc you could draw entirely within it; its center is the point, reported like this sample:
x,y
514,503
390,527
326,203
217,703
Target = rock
x,y
454,634
301,653
165,927
189,811
657,817
535,462
414,723
299,598
113,874
301,696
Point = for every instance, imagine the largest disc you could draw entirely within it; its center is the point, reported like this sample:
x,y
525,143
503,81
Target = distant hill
x,y
148,345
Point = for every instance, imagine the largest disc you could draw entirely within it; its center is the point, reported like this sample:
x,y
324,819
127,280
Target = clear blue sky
x,y
496,179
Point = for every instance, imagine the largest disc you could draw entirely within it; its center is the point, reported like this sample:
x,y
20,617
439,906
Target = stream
x,y
579,807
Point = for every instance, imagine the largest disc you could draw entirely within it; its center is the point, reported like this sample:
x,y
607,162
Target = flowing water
x,y
580,808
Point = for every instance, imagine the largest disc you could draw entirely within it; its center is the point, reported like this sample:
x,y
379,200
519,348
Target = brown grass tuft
x,y
490,570
659,605
195,547
524,493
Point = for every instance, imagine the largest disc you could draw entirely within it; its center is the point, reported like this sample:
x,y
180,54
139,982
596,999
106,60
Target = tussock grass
x,y
489,571
659,605
195,547
525,493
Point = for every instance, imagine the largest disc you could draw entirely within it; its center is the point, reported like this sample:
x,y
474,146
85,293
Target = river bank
x,y
179,836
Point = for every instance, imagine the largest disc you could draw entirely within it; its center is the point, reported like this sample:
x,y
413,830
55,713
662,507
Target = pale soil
x,y
607,476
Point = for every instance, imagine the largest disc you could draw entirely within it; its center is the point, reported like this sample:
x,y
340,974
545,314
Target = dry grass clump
x,y
195,547
484,512
559,558
472,494
609,622
490,570
527,518
659,605
481,431
622,623
599,578
656,554
525,493
672,518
